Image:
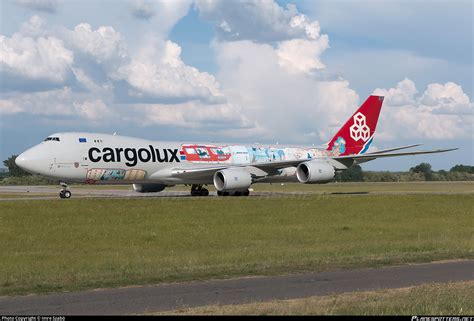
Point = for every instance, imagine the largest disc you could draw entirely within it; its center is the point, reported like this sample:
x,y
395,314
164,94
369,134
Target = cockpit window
x,y
56,139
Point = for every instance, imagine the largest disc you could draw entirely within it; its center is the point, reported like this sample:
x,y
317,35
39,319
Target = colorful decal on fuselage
x,y
366,145
205,153
339,147
243,154
102,174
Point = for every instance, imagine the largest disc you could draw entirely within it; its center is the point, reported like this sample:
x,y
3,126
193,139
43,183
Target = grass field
x,y
429,299
22,195
441,187
55,245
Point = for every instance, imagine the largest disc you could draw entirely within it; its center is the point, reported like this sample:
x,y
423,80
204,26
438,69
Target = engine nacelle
x,y
232,179
315,172
148,188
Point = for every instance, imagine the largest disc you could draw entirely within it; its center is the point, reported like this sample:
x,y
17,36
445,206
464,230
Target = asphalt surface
x,y
166,297
52,193
22,193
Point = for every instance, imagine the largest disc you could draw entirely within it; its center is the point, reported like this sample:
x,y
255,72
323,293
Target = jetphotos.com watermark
x,y
432,318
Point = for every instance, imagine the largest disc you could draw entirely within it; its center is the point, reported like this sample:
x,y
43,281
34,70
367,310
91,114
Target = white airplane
x,y
151,166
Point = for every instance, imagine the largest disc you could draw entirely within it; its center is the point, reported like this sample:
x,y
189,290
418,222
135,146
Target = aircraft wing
x,y
272,167
360,158
368,157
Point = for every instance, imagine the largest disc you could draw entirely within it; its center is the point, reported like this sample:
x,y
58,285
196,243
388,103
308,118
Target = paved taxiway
x,y
165,297
51,192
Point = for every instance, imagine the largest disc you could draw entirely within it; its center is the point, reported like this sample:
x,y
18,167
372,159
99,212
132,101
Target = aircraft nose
x,y
22,161
31,161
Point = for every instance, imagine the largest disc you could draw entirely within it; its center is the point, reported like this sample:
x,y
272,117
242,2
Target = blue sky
x,y
229,71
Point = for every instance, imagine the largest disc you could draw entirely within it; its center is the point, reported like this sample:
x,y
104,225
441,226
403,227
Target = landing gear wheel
x,y
198,190
65,194
246,193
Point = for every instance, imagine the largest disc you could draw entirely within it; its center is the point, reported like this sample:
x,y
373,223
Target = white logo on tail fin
x,y
360,130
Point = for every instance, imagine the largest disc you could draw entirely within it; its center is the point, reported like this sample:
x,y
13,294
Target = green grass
x,y
77,244
369,187
429,299
360,187
22,195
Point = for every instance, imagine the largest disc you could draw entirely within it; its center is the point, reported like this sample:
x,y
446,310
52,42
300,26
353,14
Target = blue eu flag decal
x,y
82,140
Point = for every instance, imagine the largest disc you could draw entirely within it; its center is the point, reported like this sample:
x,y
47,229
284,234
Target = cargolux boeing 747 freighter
x,y
151,166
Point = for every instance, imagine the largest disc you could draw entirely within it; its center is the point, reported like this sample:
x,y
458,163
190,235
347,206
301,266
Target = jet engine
x,y
315,172
148,188
232,179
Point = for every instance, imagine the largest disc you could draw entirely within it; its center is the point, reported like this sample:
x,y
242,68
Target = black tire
x,y
219,193
204,192
246,193
61,194
67,194
237,193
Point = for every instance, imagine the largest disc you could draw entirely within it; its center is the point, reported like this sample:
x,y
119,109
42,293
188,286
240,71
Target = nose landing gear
x,y
64,193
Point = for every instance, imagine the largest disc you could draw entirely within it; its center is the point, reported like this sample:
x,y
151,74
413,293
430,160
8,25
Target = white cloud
x,y
283,105
56,103
441,112
301,55
104,44
262,20
44,58
162,15
92,110
270,84
302,22
143,9
8,107
34,27
192,114
155,72
448,98
401,95
158,71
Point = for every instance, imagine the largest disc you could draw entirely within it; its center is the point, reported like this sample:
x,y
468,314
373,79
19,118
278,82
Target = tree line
x,y
421,172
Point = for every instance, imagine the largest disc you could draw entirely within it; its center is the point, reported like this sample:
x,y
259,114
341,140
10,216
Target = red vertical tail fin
x,y
357,133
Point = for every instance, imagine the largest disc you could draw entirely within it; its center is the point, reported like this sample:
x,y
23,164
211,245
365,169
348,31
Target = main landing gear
x,y
64,193
198,190
235,193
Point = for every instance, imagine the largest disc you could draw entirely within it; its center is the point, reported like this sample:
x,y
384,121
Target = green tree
x,y
352,174
462,168
13,168
425,169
